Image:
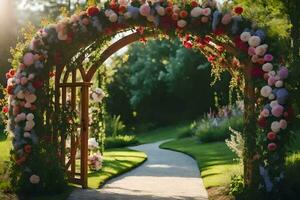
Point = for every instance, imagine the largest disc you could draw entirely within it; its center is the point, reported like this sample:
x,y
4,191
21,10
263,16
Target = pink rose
x,y
268,58
272,147
277,110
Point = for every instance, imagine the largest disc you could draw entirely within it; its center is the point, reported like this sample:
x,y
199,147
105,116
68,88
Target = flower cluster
x,y
97,95
26,83
95,162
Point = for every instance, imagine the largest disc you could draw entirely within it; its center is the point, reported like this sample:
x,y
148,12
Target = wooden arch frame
x,y
87,75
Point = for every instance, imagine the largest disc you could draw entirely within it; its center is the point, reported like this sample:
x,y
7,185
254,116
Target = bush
x,y
4,177
120,141
210,133
236,187
113,125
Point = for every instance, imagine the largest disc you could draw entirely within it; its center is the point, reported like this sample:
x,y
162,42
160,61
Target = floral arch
x,y
230,42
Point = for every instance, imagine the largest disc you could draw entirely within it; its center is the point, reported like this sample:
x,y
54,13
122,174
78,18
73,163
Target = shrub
x,y
113,125
4,177
120,141
208,132
236,187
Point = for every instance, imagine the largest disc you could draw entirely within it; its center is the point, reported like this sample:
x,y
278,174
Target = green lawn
x,y
163,133
116,162
5,146
215,160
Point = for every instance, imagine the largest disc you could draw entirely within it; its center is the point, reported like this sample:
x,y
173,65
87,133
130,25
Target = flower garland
x,y
204,21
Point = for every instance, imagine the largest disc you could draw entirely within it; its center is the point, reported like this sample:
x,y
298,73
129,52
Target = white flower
x,y
113,17
266,91
275,127
273,103
93,144
267,67
29,117
245,36
181,23
261,49
254,41
34,179
196,12
279,84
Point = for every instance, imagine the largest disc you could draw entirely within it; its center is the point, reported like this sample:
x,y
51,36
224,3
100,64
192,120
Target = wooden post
x,y
73,146
249,132
84,134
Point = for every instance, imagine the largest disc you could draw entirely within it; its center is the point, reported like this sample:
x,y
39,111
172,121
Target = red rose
x,y
272,146
5,109
27,148
93,11
188,44
207,39
238,10
121,9
272,136
10,89
194,4
113,5
221,49
262,122
183,14
211,58
12,72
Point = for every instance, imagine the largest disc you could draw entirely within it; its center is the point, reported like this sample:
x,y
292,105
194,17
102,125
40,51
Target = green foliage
x,y
211,133
114,126
236,143
292,184
236,187
120,141
162,85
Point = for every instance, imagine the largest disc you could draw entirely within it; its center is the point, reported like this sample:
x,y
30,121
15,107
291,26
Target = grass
x,y
5,146
116,162
215,160
164,133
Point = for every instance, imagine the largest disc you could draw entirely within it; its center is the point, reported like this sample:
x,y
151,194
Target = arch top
x,y
227,39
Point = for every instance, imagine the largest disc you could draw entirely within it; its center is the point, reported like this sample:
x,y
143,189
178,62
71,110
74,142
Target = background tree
x,y
162,82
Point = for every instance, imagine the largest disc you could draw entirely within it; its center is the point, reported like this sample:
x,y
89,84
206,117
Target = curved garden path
x,y
165,175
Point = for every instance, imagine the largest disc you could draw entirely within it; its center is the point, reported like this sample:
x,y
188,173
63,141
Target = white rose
x,y
181,23
196,12
245,36
266,91
254,41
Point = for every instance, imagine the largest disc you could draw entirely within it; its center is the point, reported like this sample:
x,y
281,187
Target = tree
x,y
162,82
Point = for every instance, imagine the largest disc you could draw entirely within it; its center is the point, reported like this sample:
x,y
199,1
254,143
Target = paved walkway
x,y
165,175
